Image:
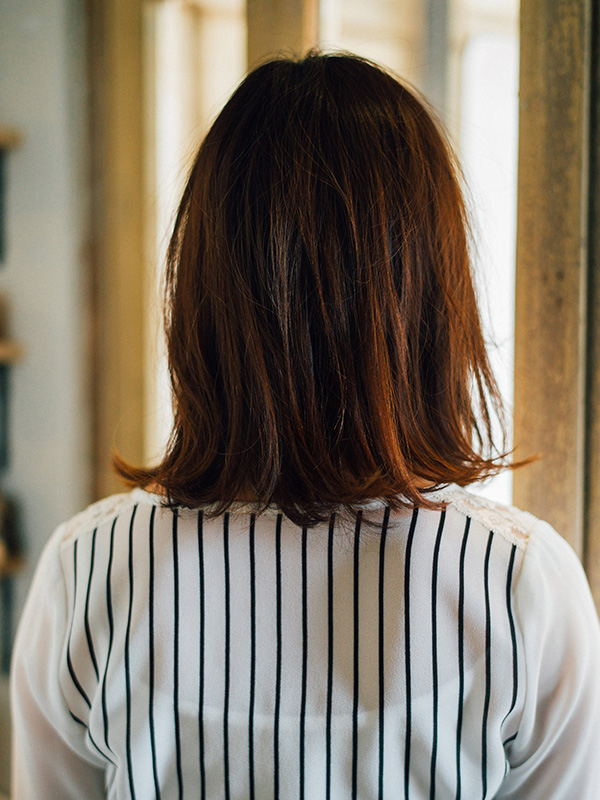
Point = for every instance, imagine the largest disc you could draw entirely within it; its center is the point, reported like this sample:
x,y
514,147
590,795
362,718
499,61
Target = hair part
x,y
324,341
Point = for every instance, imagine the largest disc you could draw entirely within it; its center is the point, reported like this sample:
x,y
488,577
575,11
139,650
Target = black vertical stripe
x,y
151,651
89,735
77,720
488,664
329,656
511,622
355,657
74,677
88,637
111,628
277,656
407,656
127,659
304,656
227,653
201,658
88,631
382,540
434,655
252,657
176,654
461,654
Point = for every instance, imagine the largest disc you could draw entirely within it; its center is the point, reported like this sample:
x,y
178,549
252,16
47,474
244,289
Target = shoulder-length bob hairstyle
x,y
324,340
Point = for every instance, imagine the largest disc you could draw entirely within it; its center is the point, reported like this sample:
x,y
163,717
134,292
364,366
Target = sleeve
x,y
556,752
50,754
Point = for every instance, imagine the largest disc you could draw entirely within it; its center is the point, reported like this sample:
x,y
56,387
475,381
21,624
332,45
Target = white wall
x,y
43,278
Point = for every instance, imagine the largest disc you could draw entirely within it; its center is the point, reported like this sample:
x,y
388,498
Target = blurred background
x,y
102,107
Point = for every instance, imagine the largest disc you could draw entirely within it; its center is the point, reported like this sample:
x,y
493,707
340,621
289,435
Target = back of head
x,y
324,341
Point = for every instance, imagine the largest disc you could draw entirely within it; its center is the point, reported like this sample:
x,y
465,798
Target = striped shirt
x,y
418,654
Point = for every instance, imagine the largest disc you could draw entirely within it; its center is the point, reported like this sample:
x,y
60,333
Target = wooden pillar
x,y
557,357
118,240
280,26
591,551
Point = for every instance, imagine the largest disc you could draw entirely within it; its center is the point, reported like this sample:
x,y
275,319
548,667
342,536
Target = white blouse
x,y
429,654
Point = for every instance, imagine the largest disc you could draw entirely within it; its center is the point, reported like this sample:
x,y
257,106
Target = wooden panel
x,y
117,135
592,439
551,280
276,26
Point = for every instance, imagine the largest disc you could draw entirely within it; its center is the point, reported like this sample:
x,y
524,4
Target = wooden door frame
x,y
118,264
557,334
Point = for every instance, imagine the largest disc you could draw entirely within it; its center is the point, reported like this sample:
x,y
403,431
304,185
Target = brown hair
x,y
324,341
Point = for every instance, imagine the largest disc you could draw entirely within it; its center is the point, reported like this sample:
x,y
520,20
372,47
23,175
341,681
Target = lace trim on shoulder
x,y
93,516
512,523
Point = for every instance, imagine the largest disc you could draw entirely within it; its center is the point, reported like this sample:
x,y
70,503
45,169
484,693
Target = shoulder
x,y
542,549
550,583
512,524
94,517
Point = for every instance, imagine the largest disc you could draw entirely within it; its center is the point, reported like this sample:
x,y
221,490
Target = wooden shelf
x,y
10,351
9,137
